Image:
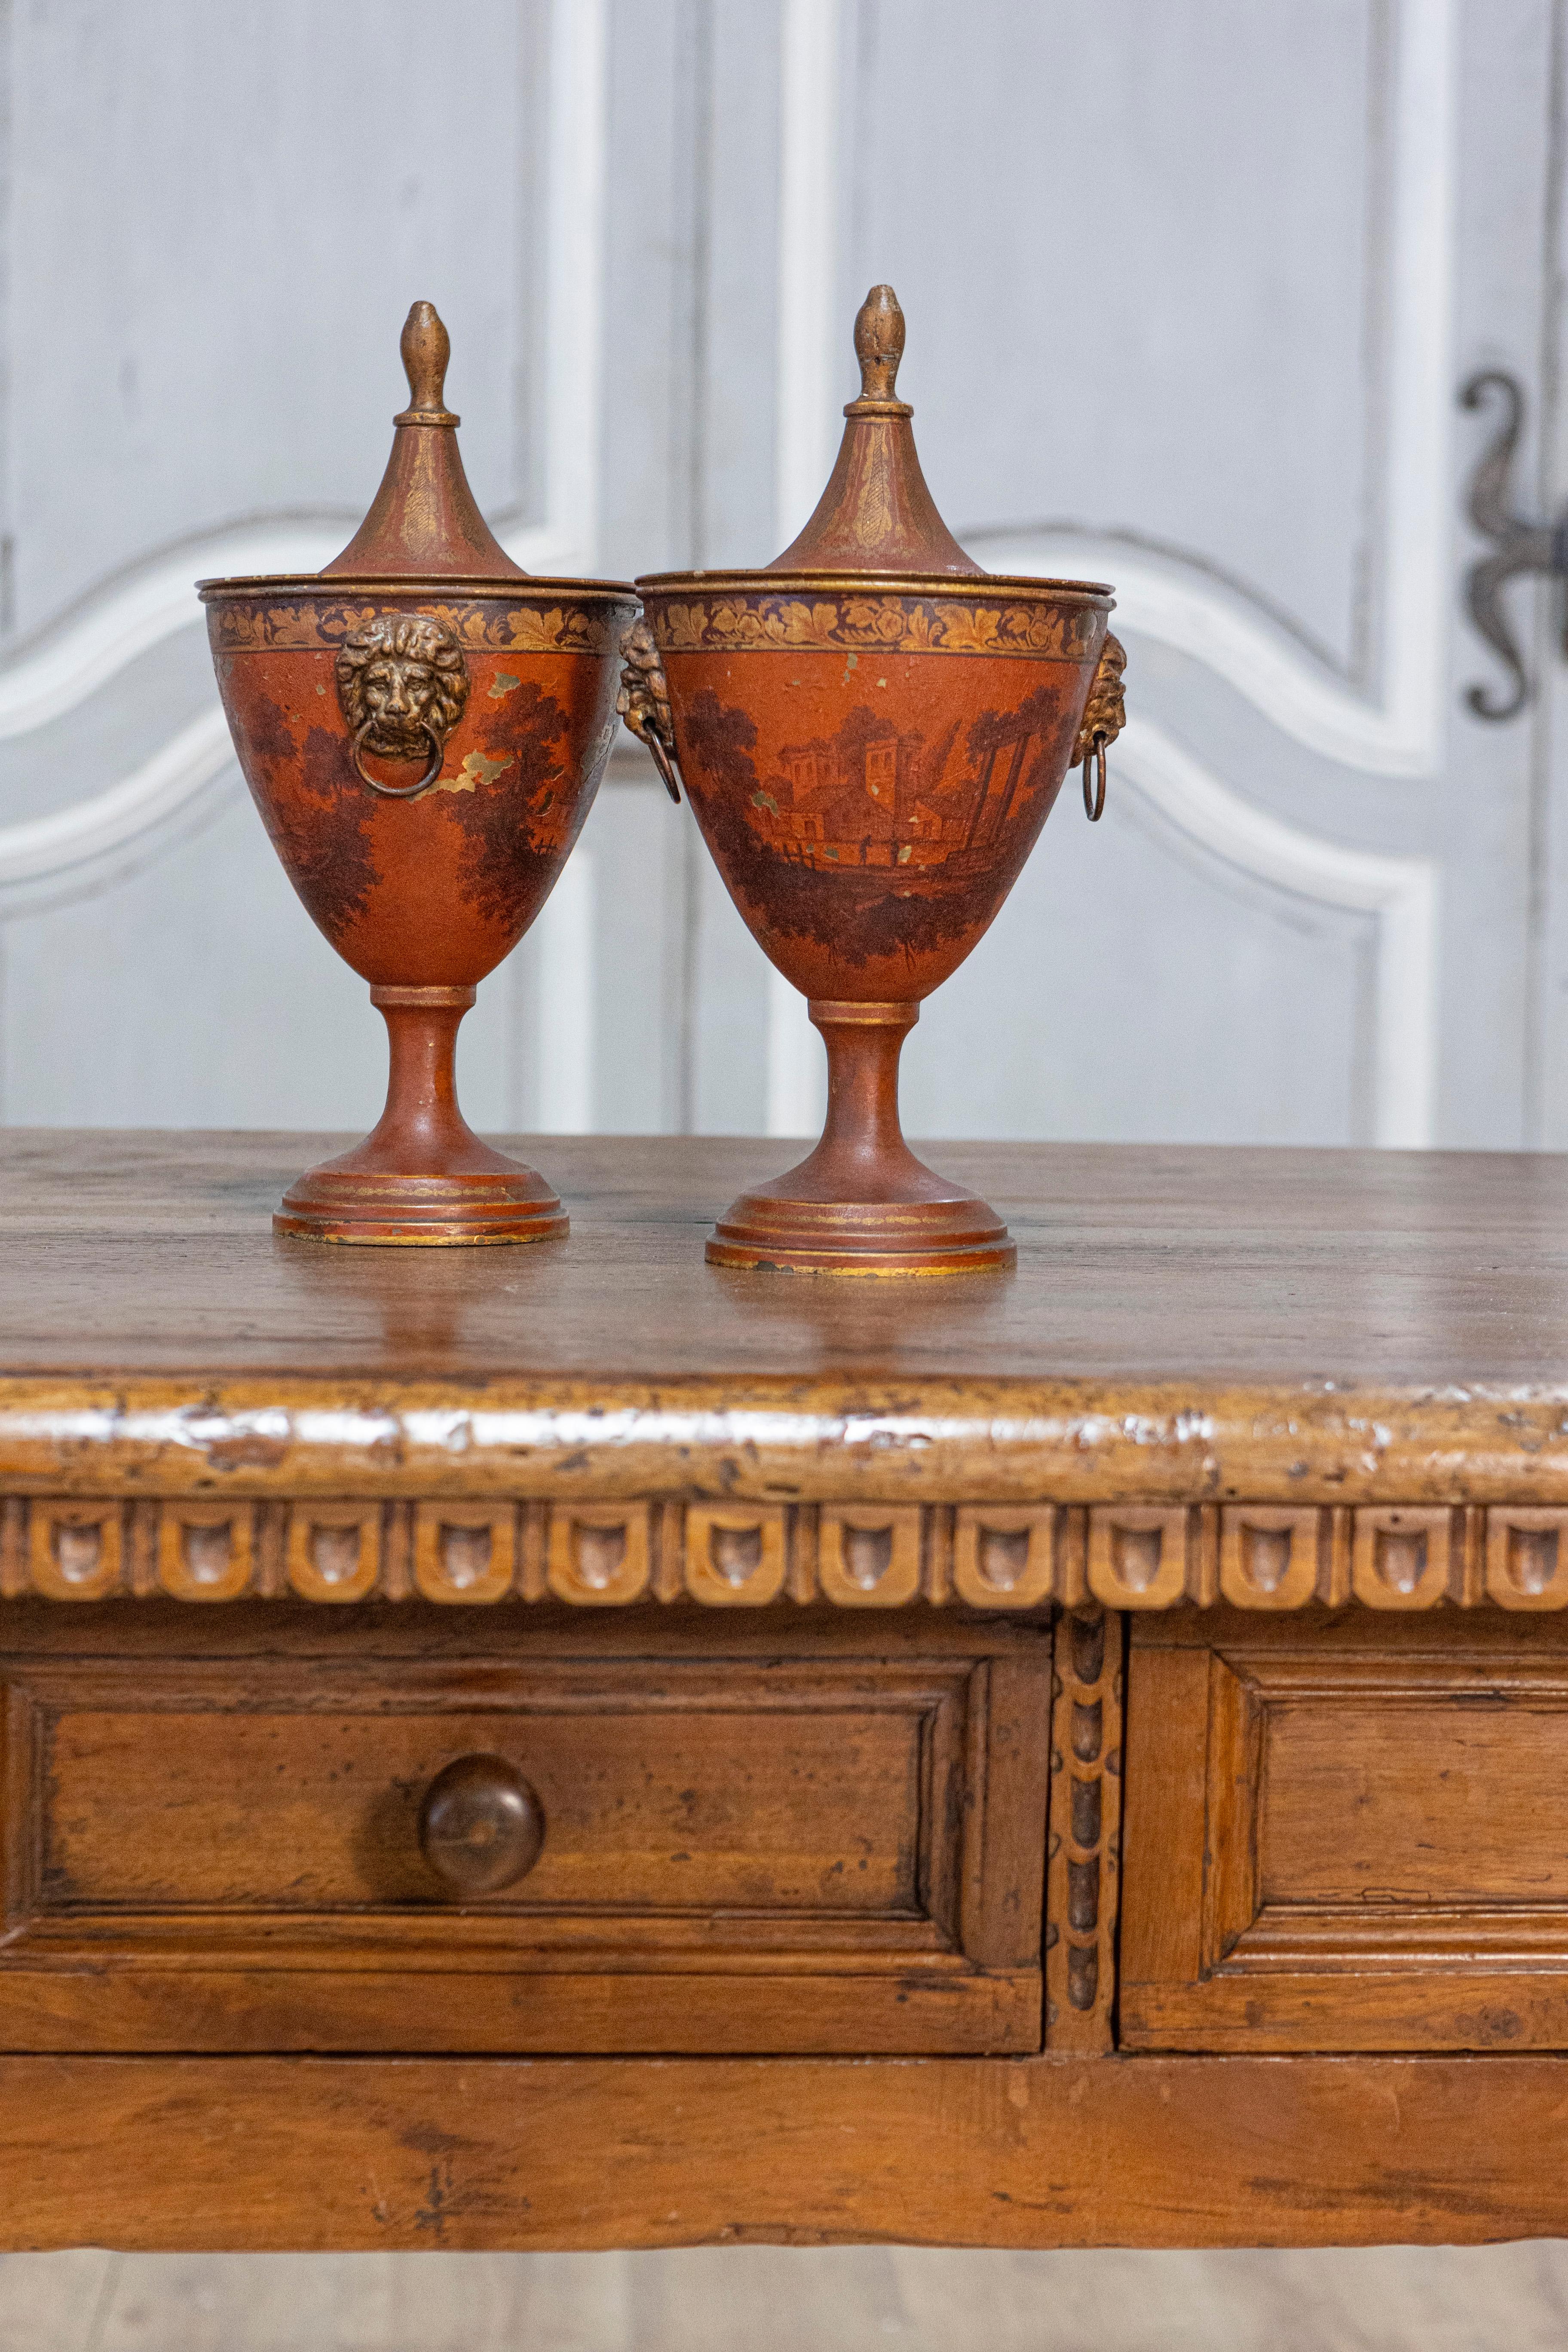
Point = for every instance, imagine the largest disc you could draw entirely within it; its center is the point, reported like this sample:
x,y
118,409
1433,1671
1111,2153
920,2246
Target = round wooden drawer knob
x,y
480,1825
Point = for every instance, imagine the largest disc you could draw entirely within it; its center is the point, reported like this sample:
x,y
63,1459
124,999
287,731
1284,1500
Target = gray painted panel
x,y
197,992
1131,242
218,219
1135,989
1181,215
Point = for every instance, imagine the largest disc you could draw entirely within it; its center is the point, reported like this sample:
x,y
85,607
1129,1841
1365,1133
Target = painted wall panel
x,y
1134,244
1245,1011
1205,275
215,214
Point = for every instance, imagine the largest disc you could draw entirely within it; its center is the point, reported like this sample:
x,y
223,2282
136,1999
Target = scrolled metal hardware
x,y
1519,546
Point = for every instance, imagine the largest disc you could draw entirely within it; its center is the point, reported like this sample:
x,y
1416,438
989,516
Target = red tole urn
x,y
422,728
871,732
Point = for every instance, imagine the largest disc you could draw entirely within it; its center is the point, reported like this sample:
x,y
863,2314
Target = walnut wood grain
x,y
753,1582
829,1838
307,2155
1083,1873
1346,1835
1191,1326
1118,1246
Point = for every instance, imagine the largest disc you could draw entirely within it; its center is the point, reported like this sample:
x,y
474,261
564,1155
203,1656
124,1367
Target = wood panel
x,y
1364,1849
686,1794
1388,148
1191,1328
1408,1784
820,1845
303,2155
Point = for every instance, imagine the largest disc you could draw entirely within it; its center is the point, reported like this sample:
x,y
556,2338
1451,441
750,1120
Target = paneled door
x,y
1192,291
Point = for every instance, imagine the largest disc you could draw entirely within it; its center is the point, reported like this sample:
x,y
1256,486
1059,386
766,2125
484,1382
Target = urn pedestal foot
x,y
862,1204
422,1177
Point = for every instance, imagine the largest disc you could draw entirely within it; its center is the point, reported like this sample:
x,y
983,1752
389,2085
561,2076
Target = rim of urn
x,y
340,588
966,586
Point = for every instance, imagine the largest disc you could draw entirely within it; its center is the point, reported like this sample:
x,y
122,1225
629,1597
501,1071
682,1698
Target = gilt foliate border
x,y
857,623
247,625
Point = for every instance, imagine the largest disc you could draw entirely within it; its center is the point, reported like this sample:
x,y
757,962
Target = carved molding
x,y
1399,729
1083,1871
590,1555
749,1440
612,1553
52,853
1401,892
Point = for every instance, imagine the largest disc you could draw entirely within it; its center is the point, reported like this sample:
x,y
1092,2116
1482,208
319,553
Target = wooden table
x,y
1039,1761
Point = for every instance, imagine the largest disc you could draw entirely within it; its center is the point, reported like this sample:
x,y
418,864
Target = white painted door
x,y
1191,289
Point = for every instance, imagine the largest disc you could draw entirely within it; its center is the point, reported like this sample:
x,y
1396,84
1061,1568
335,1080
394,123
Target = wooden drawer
x,y
1346,1834
823,1839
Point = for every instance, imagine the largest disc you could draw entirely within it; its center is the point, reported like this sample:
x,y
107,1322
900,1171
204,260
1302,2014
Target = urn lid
x,y
422,523
877,514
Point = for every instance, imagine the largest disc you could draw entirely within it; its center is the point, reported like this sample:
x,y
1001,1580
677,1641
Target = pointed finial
x,y
877,514
880,345
423,524
427,347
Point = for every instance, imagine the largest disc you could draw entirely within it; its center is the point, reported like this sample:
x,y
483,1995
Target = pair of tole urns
x,y
871,732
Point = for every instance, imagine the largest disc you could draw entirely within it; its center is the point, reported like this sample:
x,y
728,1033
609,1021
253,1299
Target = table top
x,y
1167,1299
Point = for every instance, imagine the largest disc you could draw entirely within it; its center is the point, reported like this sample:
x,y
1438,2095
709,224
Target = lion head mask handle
x,y
402,683
1104,716
643,702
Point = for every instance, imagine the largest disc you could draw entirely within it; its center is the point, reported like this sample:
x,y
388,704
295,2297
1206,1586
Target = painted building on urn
x,y
877,795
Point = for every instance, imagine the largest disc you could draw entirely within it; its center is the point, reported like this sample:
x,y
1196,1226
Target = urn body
x,y
432,886
871,760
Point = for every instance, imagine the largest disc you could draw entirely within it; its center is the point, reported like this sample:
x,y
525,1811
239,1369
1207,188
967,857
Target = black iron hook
x,y
1519,546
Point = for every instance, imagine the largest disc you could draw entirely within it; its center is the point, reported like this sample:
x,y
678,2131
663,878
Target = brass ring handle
x,y
1104,716
402,792
481,1825
1094,801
